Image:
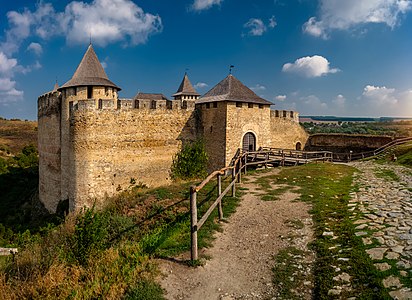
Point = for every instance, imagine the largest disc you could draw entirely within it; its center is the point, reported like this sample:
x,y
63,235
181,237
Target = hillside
x,y
15,134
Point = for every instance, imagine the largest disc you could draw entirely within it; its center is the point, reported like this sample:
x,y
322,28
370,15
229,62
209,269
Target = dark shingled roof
x,y
231,89
186,88
150,96
89,72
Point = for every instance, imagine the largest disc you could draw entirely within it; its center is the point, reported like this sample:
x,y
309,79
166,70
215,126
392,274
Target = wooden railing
x,y
239,163
345,157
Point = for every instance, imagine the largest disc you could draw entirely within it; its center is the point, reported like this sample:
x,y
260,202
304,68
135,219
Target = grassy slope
x,y
107,254
14,135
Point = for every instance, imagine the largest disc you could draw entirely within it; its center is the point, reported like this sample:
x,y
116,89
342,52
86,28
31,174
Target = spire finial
x,y
187,69
90,36
230,69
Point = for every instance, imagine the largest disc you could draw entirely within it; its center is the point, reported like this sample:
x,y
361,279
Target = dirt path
x,y
242,255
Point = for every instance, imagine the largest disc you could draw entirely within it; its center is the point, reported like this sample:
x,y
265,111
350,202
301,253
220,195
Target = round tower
x,y
89,87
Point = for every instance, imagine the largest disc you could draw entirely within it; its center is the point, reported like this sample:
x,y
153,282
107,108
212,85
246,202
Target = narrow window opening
x,y
238,104
207,105
89,92
214,104
284,113
260,105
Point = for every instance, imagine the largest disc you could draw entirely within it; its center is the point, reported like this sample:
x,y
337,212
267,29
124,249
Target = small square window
x,y
214,104
238,104
207,105
250,105
260,105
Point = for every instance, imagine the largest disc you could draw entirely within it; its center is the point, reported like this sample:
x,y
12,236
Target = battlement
x,y
285,114
129,104
49,104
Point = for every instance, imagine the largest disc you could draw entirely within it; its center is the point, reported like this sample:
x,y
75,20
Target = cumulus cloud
x,y
199,5
310,66
280,98
339,101
256,27
384,101
107,21
8,91
36,48
258,88
201,85
348,14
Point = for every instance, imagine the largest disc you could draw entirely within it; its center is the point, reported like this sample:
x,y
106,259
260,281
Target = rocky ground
x,y
381,209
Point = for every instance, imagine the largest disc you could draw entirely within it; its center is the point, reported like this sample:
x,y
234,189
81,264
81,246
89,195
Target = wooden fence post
x,y
193,223
234,179
219,192
240,171
245,164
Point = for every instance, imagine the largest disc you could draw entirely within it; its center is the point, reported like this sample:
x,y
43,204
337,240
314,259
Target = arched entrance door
x,y
249,142
299,146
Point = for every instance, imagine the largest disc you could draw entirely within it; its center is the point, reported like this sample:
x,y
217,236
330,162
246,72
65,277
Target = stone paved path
x,y
382,209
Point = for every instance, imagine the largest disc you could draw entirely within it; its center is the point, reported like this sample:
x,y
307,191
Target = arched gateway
x,y
249,142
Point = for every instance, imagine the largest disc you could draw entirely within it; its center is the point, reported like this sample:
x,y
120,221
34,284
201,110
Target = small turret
x,y
186,91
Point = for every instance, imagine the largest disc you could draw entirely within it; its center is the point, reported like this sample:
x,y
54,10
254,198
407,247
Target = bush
x,y
190,162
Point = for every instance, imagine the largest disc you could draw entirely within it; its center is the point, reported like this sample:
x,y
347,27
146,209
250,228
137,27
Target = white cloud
x,y
383,101
6,64
256,27
200,5
258,88
280,98
201,85
272,22
339,101
348,14
36,48
107,21
310,66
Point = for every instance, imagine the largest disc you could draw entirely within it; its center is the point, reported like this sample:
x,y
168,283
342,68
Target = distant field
x,y
14,135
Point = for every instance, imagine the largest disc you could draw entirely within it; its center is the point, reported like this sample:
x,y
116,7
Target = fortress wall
x,y
343,142
213,132
110,147
286,132
243,119
49,150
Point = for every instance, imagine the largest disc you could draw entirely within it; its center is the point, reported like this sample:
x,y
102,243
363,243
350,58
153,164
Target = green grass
x,y
386,174
327,187
108,254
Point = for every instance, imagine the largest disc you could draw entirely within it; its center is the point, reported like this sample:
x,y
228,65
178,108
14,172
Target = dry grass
x,y
14,135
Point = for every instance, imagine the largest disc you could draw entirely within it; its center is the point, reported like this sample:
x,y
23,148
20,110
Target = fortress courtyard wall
x,y
112,148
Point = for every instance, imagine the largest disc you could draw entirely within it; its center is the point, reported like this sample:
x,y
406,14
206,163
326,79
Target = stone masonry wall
x,y
245,119
213,133
49,149
110,147
286,132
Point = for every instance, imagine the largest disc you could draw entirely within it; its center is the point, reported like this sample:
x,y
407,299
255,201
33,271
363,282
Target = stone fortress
x,y
93,144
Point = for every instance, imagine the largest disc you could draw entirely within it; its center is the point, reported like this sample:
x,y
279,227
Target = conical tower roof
x,y
89,72
186,88
231,89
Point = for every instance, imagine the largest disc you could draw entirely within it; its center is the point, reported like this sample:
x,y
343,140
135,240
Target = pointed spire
x,y
90,72
231,89
186,88
56,86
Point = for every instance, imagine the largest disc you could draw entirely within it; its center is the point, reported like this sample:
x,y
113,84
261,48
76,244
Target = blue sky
x,y
326,57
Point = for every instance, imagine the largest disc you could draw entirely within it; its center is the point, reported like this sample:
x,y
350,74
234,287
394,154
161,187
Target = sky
x,y
325,57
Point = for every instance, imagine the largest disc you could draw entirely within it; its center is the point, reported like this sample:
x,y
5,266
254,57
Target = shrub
x,y
190,162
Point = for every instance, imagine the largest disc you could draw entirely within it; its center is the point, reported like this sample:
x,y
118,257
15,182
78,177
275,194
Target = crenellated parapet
x,y
285,114
49,104
130,104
